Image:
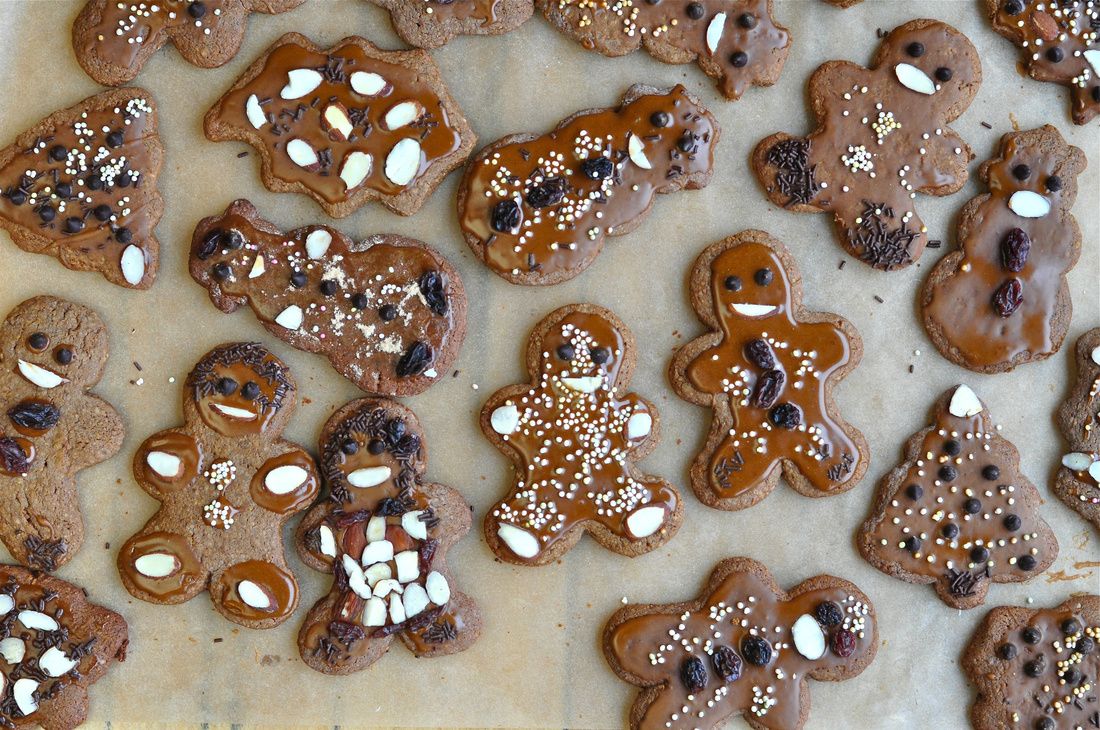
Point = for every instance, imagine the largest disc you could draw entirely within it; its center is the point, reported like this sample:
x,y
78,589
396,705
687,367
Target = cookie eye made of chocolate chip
x,y
1021,172
566,352
38,342
250,391
376,446
763,276
350,447
944,74
1054,183
63,355
226,386
915,49
600,355
732,283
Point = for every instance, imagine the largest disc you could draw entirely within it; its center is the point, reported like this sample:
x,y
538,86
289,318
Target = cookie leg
x,y
453,630
43,527
655,513
255,593
736,469
509,529
160,567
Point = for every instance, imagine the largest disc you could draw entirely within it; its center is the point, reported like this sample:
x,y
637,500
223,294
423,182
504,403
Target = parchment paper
x,y
538,663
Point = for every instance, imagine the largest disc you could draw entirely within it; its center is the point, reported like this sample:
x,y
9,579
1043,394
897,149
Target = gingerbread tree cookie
x,y
1036,669
113,39
1077,482
767,368
957,512
81,186
882,137
746,647
384,535
1002,299
433,23
227,484
573,437
1059,41
52,352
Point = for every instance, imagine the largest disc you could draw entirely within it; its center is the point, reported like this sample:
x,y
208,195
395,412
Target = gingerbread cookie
x,y
384,534
735,42
389,312
227,484
346,125
957,512
574,436
114,38
81,186
746,647
1002,299
1077,482
536,209
55,645
52,352
433,23
882,137
1059,41
843,3
1036,669
767,368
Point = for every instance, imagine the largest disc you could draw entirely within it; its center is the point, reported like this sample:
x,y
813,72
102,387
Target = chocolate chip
x,y
1007,651
746,20
756,650
695,10
943,73
74,225
660,119
951,447
329,287
915,49
950,530
103,213
1045,723
1021,172
1055,54
991,473
1054,183
1031,635
1014,7
979,554
376,446
1026,563
693,673
1034,668
38,341
566,352
600,355
47,214
914,492
732,283
123,235
1012,522
972,506
298,279
828,613
912,543
250,391
58,153
222,271
597,168
948,473
64,190
226,386
764,276
93,182
196,9
1070,627
349,447
739,59
360,301
115,139
1085,645
786,415
387,312
17,197
1096,93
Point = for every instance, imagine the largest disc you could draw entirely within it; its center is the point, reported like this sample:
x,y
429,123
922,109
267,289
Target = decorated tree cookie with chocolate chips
x,y
388,312
52,352
383,532
1059,41
81,186
113,39
227,483
573,436
1077,481
433,23
346,125
1036,669
767,368
1002,299
735,42
744,648
882,137
55,645
536,209
957,512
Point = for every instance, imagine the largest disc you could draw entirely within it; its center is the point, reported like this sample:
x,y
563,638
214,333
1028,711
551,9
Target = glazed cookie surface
x,y
536,209
227,484
388,312
52,352
113,39
81,186
746,647
347,125
1036,669
882,137
573,436
1002,299
767,368
1077,481
957,512
383,532
56,645
433,23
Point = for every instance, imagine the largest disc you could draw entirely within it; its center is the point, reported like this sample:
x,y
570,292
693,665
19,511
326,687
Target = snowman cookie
x,y
1077,481
573,435
227,484
767,369
52,352
433,23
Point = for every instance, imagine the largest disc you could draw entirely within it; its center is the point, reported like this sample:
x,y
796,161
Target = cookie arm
x,y
315,538
286,483
707,367
949,173
96,435
166,462
638,425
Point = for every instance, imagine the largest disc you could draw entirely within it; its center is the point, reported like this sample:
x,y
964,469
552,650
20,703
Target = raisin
x,y
693,673
759,354
828,613
726,663
786,415
209,245
549,193
844,643
756,650
505,217
12,458
415,360
1014,250
767,388
597,168
34,415
431,286
1008,297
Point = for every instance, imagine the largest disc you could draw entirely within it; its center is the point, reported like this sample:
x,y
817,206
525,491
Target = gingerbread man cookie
x,y
52,352
957,512
81,185
433,23
113,39
227,484
746,647
735,42
384,535
1002,299
574,436
1077,482
767,368
1059,41
55,645
389,312
882,137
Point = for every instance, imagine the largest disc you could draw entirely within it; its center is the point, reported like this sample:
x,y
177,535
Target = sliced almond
x,y
157,565
258,268
285,479
378,572
290,318
914,79
12,649
439,591
254,595
715,30
386,586
415,600
374,613
402,115
376,528
635,147
356,168
370,476
408,565
397,609
505,419
55,662
328,541
300,82
519,541
302,154
337,122
809,639
414,525
639,425
964,403
23,693
645,521
368,83
132,265
255,112
164,464
38,620
317,243
7,603
403,161
357,580
377,552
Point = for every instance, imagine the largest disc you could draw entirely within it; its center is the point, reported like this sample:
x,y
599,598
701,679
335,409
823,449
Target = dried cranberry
x,y
756,650
726,663
759,354
431,286
1014,250
693,673
767,388
828,613
786,415
415,360
505,217
35,415
12,458
549,193
1008,297
844,643
597,168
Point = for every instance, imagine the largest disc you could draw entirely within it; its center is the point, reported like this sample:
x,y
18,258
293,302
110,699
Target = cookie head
x,y
371,457
219,252
582,352
1035,175
241,390
51,343
749,282
933,60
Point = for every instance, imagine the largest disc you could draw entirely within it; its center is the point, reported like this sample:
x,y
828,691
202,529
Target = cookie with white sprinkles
x,y
81,186
957,512
745,647
388,312
573,435
1077,481
433,23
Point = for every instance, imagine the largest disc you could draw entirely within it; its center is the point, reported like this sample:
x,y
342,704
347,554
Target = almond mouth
x,y
585,384
753,310
240,414
40,376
